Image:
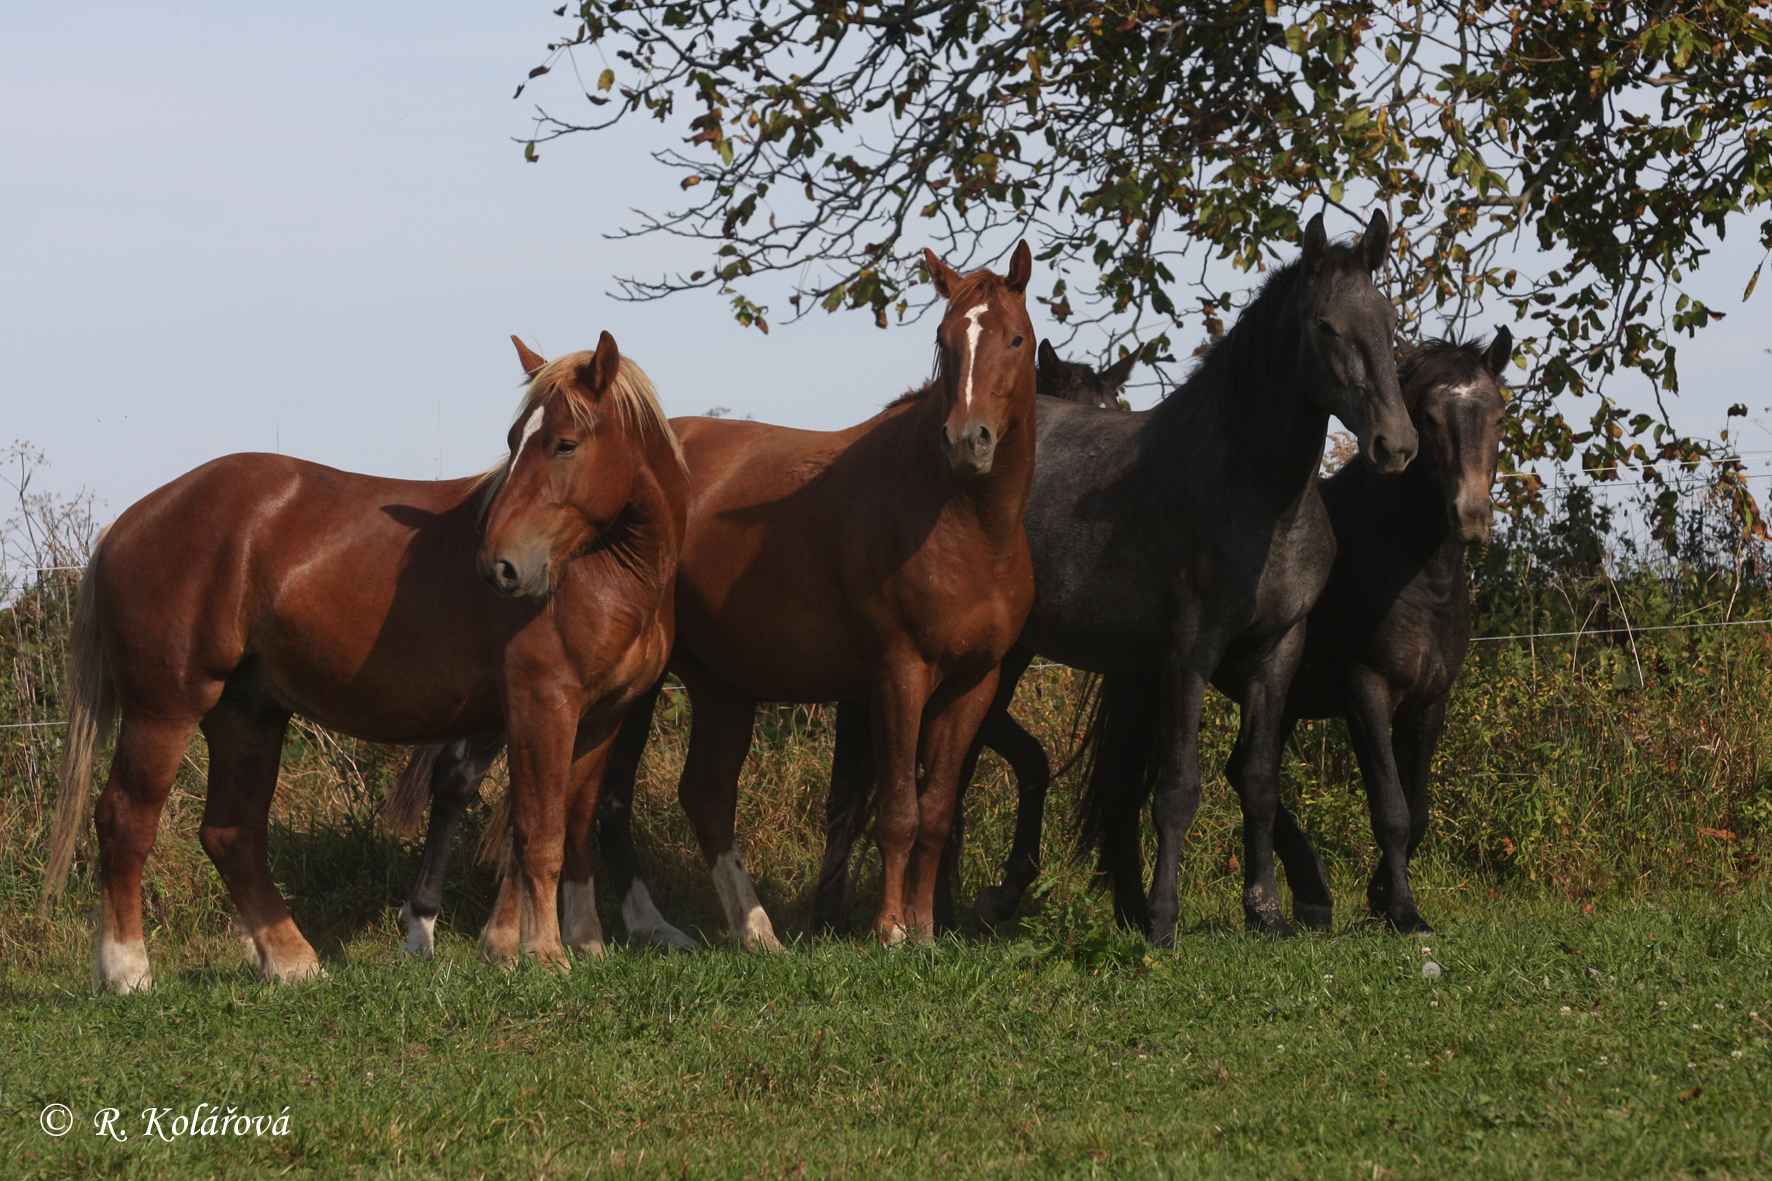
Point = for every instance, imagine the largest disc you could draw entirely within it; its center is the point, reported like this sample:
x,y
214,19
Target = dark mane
x,y
911,395
1437,362
1248,346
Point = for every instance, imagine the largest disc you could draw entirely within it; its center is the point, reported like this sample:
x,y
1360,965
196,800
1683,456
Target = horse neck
x,y
647,535
1411,511
1247,415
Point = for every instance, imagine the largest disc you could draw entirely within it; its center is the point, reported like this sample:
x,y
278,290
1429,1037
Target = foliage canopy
x,y
1564,165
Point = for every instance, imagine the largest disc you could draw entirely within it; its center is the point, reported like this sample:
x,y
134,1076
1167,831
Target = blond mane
x,y
630,396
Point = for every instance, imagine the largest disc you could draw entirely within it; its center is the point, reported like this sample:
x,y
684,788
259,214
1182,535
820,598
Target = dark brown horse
x,y
258,586
1387,640
883,564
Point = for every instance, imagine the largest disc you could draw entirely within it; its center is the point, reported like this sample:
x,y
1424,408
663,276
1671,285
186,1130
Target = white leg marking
x,y
421,936
744,913
580,928
973,330
646,925
119,966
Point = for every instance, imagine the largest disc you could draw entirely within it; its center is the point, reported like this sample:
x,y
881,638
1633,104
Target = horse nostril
x,y
506,573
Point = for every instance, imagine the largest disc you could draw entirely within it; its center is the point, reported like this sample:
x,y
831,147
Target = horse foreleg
x,y
542,729
245,747
127,818
1033,778
1177,796
1254,770
1415,735
895,721
1313,905
997,904
455,785
581,928
946,744
845,812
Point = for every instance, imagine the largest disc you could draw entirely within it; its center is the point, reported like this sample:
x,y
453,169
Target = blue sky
x,y
306,228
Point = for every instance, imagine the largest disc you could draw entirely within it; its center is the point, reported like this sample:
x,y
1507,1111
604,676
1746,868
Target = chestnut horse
x,y
883,564
259,586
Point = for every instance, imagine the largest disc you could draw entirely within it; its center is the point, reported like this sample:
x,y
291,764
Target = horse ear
x,y
1021,267
527,357
1316,241
1375,242
1117,373
1048,355
944,277
1500,353
598,374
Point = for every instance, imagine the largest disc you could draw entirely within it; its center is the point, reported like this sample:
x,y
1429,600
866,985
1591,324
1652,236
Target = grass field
x,y
1596,868
1635,1040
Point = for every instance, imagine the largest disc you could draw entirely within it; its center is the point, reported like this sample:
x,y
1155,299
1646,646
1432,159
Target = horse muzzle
x,y
514,575
973,452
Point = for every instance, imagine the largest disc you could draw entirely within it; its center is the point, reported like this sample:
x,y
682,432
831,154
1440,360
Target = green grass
x,y
1630,1041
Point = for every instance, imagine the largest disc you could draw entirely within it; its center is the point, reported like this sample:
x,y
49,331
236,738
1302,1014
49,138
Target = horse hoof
x,y
1314,917
551,959
996,905
1408,922
498,951
298,972
589,948
421,933
758,933
1267,922
891,935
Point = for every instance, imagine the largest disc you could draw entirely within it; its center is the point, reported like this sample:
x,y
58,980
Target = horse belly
x,y
356,650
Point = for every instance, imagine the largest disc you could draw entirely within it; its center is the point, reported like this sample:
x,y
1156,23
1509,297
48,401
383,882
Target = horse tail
x,y
1119,771
495,842
403,811
1083,720
92,710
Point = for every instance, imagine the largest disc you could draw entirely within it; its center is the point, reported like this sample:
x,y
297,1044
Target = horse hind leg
x,y
845,814
455,777
127,818
615,833
245,747
719,739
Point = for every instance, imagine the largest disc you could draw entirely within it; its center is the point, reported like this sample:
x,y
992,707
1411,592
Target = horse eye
x,y
565,447
1016,343
1326,328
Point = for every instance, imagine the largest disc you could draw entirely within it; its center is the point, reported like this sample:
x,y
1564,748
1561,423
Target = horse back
x,y
320,589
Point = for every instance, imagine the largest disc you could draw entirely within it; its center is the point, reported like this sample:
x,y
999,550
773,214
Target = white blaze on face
x,y
973,331
529,428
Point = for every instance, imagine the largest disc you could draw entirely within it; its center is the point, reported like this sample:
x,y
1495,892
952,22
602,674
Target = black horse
x,y
1074,381
1383,649
1187,543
